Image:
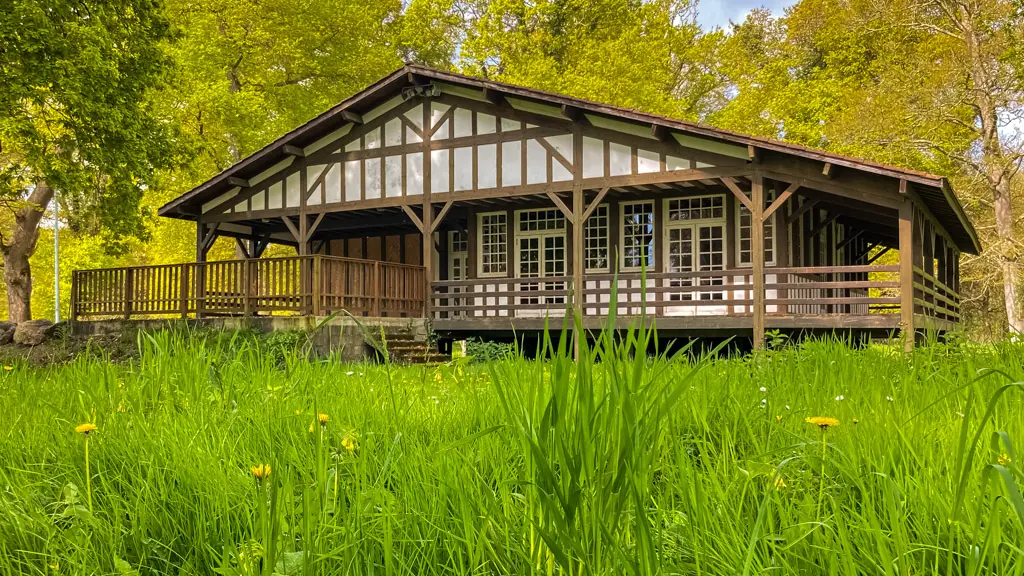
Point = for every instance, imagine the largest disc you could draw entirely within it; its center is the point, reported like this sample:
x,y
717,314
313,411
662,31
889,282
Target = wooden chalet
x,y
486,207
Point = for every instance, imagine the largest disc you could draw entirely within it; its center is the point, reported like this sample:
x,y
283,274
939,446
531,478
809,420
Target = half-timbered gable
x,y
490,207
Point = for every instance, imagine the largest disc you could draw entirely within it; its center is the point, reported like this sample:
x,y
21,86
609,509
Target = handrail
x,y
312,284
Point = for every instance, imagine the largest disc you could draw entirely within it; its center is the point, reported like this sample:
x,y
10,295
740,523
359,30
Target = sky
x,y
712,13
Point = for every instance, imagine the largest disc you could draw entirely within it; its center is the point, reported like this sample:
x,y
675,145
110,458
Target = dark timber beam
x,y
294,151
352,117
829,170
739,194
790,190
757,258
561,206
240,182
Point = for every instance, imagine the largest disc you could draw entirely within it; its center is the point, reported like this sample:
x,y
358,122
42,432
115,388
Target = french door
x,y
542,256
458,267
695,248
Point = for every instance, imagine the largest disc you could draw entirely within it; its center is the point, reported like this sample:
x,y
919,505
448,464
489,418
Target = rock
x,y
33,332
6,336
5,326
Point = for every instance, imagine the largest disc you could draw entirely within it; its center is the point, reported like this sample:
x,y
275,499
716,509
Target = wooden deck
x,y
824,297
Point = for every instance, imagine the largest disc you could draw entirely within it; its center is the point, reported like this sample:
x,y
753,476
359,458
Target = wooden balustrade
x,y
933,298
790,291
304,285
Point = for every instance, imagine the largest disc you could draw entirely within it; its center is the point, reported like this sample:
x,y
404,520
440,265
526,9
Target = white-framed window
x,y
595,241
637,232
458,241
743,232
540,220
493,241
696,208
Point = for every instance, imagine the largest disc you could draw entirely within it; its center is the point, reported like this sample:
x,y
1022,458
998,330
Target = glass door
x,y
458,268
542,256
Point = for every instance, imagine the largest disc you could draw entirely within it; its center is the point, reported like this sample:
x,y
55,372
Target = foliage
x,y
76,111
488,350
614,465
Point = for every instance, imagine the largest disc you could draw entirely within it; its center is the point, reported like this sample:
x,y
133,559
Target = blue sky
x,y
713,13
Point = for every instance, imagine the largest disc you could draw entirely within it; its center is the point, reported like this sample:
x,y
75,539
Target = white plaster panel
x,y
562,143
259,199
275,190
353,179
463,122
393,132
673,163
372,177
486,165
510,125
414,174
353,146
218,200
292,197
511,164
415,115
464,168
559,173
439,171
536,163
241,206
593,158
393,176
620,160
372,139
412,137
485,123
437,110
332,184
441,132
647,161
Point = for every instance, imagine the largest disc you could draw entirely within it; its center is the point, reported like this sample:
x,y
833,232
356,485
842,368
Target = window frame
x,y
480,245
653,257
606,207
769,198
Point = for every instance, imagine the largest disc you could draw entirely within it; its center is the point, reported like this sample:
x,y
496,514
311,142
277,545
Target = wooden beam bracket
x,y
561,206
739,194
415,219
779,201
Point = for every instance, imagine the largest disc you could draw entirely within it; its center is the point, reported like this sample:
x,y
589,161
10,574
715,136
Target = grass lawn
x,y
216,455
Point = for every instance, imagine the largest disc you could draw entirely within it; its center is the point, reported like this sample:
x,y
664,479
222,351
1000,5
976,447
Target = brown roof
x,y
934,190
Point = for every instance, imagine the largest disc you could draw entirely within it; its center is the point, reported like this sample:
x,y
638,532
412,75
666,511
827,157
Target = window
x,y
743,231
540,220
637,235
458,241
697,208
493,244
595,240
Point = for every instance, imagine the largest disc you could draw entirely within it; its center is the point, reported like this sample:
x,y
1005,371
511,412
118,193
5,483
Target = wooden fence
x,y
789,291
302,285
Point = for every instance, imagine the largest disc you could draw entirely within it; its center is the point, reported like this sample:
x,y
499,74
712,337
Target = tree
x,y
76,117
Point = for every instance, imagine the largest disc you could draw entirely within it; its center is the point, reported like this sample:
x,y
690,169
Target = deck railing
x,y
933,298
789,291
303,285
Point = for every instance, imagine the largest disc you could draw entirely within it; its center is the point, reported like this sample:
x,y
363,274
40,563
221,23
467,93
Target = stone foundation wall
x,y
342,334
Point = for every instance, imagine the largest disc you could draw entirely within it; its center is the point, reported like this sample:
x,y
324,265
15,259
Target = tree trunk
x,y
995,163
17,272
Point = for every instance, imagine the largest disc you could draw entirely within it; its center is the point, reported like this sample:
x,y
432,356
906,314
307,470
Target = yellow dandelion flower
x,y
1004,459
349,443
778,418
298,412
311,428
86,428
322,419
780,483
261,472
8,368
823,422
855,421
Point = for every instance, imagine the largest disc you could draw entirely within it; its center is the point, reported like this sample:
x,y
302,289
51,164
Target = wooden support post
x,y
578,226
200,291
247,287
129,289
316,284
428,209
375,311
907,272
757,257
184,289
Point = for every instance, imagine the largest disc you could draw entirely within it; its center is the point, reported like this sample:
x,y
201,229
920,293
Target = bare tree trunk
x,y
995,163
17,271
